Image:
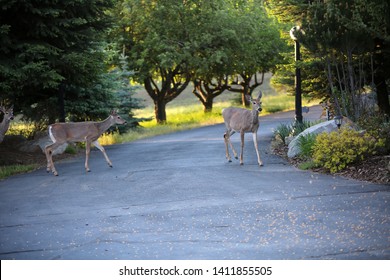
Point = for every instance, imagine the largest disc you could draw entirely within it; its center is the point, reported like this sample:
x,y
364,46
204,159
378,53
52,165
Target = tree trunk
x,y
160,112
380,79
382,95
208,104
244,99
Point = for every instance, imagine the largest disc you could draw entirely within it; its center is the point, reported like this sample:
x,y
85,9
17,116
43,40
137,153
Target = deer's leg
x,y
87,151
256,148
49,156
242,148
101,148
226,138
231,145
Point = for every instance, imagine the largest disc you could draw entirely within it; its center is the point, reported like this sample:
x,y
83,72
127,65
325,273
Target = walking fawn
x,y
242,121
87,132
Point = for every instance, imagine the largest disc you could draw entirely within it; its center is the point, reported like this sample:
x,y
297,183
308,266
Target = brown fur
x,y
87,132
242,121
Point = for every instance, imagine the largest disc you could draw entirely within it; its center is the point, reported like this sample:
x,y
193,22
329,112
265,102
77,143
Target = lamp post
x,y
338,120
298,90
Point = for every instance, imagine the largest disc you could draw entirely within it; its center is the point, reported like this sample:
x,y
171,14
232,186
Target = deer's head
x,y
256,103
117,119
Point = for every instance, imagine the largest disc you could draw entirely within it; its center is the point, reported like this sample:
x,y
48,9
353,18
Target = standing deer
x,y
87,132
7,118
242,121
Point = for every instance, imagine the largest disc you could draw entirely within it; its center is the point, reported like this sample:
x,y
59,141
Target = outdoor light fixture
x,y
338,120
292,30
298,91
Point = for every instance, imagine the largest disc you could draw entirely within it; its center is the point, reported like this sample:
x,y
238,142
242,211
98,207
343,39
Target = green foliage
x,y
202,40
51,47
123,94
71,149
282,132
306,144
9,170
377,125
112,91
298,127
348,40
285,130
307,165
335,150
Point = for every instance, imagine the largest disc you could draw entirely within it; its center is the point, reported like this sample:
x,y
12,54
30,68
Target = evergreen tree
x,y
50,56
123,93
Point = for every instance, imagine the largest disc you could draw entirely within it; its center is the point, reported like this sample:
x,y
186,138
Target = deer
x,y
73,132
7,118
242,121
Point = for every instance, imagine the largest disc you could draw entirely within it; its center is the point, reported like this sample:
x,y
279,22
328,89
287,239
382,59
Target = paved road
x,y
176,197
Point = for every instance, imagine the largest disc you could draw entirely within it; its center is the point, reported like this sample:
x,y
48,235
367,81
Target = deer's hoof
x,y
236,157
241,163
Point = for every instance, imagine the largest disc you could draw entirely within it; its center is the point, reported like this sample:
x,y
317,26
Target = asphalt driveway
x,y
176,197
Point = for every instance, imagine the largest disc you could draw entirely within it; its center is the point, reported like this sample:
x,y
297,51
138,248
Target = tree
x,y
259,46
241,44
349,50
349,41
159,53
290,13
207,91
50,55
123,93
115,86
203,41
216,41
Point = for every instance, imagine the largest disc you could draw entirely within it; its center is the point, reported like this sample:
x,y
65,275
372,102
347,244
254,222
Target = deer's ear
x,y
260,95
248,98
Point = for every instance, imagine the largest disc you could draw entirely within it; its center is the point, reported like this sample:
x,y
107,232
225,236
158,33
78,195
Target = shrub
x,y
378,126
306,144
283,131
336,150
306,165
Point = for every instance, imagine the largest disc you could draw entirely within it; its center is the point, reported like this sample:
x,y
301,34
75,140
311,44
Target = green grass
x,y
307,165
6,171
